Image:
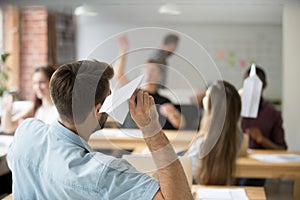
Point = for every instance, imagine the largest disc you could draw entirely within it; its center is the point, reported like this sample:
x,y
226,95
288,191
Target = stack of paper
x,y
222,194
279,158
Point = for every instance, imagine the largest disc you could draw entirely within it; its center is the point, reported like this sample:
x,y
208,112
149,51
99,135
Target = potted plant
x,y
3,73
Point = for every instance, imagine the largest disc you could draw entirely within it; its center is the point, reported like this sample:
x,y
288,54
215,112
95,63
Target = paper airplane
x,y
116,104
251,94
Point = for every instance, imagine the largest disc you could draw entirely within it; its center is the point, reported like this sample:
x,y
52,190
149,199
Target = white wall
x,y
266,43
191,67
291,72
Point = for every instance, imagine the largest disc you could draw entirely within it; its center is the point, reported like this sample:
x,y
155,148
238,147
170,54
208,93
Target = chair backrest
x,y
145,163
244,146
192,115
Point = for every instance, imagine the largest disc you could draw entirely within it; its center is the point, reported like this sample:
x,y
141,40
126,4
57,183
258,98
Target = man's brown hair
x,y
77,87
171,38
260,73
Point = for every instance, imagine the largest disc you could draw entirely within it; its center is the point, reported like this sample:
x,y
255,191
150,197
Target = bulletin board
x,y
231,49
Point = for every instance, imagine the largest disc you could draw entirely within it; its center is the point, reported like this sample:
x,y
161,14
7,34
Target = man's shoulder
x,y
110,163
29,125
270,109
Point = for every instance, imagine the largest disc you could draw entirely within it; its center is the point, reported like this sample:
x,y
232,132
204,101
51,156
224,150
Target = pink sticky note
x,y
221,54
243,63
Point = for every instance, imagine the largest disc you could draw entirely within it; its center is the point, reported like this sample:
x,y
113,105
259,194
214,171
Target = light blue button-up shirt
x,y
51,162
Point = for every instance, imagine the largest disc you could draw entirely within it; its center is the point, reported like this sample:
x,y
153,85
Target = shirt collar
x,y
69,135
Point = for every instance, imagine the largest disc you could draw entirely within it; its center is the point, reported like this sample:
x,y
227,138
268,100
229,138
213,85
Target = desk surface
x,y
246,166
253,193
250,167
132,138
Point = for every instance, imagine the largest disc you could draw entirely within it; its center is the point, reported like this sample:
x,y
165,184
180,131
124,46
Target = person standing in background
x,y
161,55
169,116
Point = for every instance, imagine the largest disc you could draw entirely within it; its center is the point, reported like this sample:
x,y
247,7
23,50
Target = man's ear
x,y
97,108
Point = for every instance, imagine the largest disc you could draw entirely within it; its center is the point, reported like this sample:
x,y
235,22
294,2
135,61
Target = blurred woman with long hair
x,y
215,150
42,106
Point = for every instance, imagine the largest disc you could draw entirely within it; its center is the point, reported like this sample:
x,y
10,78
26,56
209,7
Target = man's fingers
x,y
131,103
136,92
146,99
140,98
134,96
151,101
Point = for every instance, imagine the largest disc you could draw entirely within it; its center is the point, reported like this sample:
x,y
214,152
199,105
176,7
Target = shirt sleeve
x,y
277,135
120,180
159,56
194,153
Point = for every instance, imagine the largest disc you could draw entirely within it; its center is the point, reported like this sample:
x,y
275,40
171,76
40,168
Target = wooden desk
x,y
246,166
251,168
253,193
132,139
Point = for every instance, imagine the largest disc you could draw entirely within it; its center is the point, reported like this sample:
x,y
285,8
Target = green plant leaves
x,y
4,57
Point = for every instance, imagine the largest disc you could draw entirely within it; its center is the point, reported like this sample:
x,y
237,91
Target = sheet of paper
x,y
277,158
116,104
5,141
222,194
252,88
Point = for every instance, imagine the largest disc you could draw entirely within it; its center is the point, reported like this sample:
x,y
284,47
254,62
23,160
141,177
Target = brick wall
x,y
34,46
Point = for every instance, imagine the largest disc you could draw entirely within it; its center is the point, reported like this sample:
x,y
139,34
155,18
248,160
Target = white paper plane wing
x,y
116,104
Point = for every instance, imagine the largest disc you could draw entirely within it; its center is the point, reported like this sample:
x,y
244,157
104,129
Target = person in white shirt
x,y
41,108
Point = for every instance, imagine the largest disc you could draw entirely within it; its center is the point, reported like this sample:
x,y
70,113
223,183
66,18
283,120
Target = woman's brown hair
x,y
223,136
48,71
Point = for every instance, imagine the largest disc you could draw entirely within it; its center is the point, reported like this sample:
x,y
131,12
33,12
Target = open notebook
x,y
145,163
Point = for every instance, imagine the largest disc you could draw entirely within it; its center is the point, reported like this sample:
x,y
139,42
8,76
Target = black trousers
x,y
6,184
252,182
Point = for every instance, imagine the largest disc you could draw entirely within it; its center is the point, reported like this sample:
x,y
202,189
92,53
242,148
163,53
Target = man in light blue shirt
x,y
55,162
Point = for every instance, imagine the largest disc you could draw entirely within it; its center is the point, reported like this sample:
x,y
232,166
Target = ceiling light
x,y
85,10
169,9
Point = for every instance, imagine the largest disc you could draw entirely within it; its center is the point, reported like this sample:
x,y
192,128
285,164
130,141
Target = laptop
x,y
145,163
